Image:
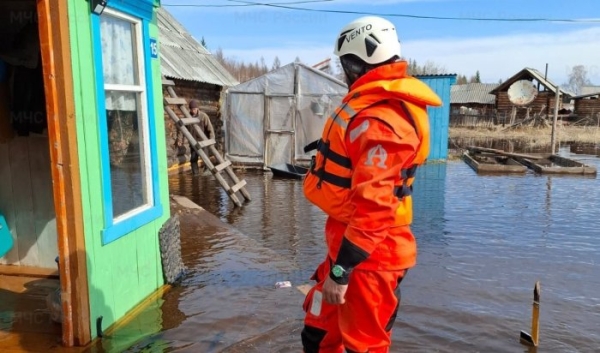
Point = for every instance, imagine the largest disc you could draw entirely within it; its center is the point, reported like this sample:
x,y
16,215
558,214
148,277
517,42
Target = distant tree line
x,y
244,71
462,79
428,68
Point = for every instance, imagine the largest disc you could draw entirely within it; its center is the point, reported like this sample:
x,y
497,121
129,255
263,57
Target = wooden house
x,y
197,74
82,164
587,107
543,104
472,104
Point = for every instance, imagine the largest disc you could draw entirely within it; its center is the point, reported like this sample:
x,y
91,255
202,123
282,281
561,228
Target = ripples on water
x,y
483,242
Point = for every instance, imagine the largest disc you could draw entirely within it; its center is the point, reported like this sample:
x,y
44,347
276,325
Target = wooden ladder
x,y
204,143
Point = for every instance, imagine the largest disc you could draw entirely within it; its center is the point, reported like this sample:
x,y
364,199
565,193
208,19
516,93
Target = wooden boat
x,y
483,163
554,164
288,171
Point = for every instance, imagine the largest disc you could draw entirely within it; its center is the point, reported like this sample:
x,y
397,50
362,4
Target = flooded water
x,y
483,243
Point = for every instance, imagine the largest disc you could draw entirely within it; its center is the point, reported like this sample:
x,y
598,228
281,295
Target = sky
x,y
533,33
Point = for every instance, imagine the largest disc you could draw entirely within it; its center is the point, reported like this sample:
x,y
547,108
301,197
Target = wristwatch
x,y
338,271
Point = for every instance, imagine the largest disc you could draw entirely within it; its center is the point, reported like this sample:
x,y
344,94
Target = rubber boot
x,y
195,169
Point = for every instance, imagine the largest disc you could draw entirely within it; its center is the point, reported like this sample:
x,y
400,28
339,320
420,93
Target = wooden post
x,y
553,138
62,131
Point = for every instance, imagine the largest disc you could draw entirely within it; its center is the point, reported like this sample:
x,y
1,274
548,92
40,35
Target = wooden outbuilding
x,y
197,74
543,104
587,109
83,167
472,104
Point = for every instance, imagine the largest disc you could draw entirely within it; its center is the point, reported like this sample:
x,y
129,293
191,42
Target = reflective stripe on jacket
x,y
382,125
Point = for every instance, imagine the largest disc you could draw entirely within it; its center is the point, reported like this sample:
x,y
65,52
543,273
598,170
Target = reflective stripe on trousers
x,y
363,324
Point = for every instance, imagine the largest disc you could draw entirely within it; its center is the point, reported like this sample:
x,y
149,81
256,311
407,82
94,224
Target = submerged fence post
x,y
553,138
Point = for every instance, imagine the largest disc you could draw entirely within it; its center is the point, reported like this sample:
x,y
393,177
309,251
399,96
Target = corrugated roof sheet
x,y
435,75
183,57
473,93
587,90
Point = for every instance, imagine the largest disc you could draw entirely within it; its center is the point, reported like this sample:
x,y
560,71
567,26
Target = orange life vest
x,y
327,184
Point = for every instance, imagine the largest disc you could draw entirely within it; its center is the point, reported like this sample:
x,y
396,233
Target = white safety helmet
x,y
372,39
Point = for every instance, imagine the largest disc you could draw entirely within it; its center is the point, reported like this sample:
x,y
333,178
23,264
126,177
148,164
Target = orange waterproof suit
x,y
361,177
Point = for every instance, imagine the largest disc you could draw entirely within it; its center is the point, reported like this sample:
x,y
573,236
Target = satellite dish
x,y
522,92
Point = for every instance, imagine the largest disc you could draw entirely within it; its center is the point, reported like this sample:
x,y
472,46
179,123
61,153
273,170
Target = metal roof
x,y
436,75
478,93
183,57
531,73
589,90
589,95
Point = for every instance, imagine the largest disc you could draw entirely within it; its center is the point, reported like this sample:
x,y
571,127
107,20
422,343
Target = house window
x,y
126,130
126,116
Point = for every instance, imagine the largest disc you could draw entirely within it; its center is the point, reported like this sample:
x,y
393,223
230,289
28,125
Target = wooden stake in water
x,y
533,338
553,138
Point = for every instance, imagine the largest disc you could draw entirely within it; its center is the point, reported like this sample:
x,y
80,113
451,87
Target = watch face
x,y
337,271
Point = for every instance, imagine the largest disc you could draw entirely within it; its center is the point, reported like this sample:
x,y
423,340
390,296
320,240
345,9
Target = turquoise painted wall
x,y
125,271
439,117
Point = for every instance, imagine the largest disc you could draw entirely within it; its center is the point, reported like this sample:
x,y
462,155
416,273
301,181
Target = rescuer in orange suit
x,y
361,177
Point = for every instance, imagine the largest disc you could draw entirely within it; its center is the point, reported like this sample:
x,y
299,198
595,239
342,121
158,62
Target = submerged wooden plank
x,y
491,165
501,152
554,164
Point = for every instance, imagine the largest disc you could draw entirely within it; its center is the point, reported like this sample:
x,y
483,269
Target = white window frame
x,y
142,103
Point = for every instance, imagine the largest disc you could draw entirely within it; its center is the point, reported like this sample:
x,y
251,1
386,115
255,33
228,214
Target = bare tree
x,y
276,63
461,80
263,64
429,68
577,79
240,70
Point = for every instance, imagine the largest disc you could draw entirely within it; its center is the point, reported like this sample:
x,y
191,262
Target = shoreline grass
x,y
530,136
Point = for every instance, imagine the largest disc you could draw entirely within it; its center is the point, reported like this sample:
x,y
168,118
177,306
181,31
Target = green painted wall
x,y
124,272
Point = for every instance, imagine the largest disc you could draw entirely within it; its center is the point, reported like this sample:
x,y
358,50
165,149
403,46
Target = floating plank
x,y
492,164
553,164
501,152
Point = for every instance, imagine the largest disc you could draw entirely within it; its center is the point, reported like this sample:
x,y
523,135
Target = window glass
x,y
128,144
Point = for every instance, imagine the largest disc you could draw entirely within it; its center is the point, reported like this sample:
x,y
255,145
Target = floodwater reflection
x,y
483,243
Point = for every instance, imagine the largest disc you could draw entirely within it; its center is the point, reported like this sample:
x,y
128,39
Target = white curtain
x,y
118,60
